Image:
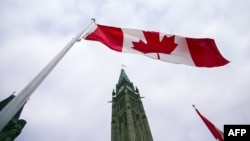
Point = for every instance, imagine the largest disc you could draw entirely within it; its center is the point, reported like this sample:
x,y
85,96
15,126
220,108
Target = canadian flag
x,y
199,52
217,133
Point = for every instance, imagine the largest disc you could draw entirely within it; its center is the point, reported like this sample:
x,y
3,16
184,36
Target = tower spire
x,y
123,76
129,120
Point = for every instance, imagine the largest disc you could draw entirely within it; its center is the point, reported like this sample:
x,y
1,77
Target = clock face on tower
x,y
120,90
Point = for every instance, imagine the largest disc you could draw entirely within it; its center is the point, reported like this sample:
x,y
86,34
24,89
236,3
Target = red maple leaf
x,y
154,45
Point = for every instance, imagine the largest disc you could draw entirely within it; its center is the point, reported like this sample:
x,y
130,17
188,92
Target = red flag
x,y
200,52
218,134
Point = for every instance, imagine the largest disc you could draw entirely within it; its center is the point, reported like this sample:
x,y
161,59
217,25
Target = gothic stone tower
x,y
129,120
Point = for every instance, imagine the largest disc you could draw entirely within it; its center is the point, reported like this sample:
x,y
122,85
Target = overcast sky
x,y
72,102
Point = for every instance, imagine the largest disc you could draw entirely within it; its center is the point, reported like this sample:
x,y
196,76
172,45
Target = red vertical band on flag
x,y
204,51
110,36
215,131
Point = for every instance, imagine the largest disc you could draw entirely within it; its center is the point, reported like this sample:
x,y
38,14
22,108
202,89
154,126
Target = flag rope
x,y
8,112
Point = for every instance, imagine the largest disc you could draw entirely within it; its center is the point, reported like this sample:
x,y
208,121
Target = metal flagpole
x,y
7,113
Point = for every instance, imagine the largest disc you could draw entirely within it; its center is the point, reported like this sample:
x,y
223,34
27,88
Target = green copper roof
x,y
123,76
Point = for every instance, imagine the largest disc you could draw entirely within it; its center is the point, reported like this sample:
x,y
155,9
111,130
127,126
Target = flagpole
x,y
194,106
7,113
